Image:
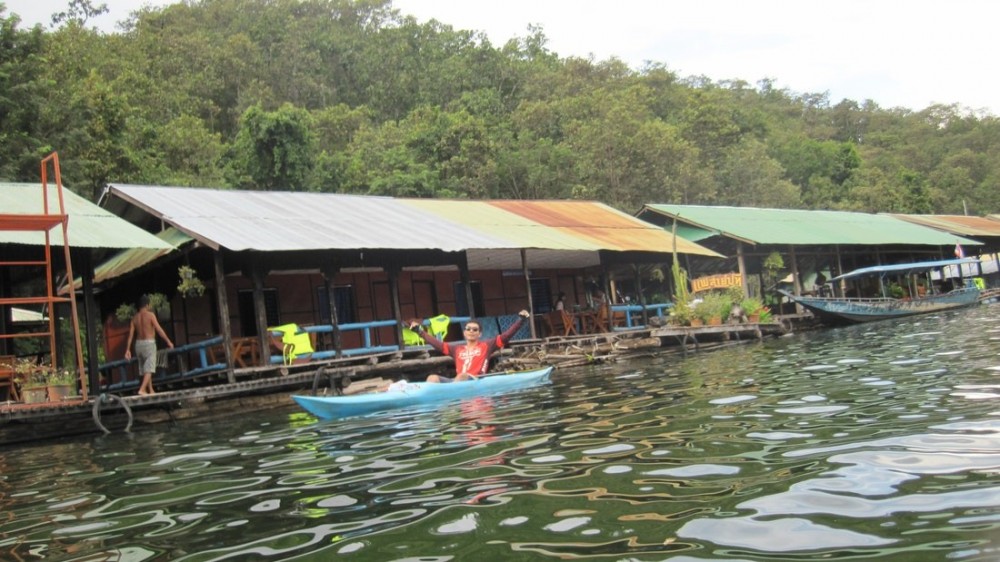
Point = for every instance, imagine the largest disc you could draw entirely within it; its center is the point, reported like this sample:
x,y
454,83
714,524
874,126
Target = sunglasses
x,y
471,329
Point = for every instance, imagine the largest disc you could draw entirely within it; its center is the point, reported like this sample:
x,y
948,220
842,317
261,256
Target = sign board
x,y
720,281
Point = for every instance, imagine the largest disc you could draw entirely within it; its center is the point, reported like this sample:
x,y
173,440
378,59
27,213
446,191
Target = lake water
x,y
874,442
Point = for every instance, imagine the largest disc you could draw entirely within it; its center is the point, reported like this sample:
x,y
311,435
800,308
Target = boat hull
x,y
417,394
853,310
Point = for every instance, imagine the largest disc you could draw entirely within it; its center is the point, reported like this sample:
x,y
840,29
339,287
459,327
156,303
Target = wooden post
x,y
397,313
796,279
257,275
329,273
463,272
89,319
220,295
640,298
741,264
527,284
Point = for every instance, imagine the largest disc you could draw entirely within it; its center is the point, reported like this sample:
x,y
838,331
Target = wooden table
x,y
586,321
245,352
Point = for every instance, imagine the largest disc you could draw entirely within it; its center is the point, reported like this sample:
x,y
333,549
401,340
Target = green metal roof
x,y
89,226
786,226
128,260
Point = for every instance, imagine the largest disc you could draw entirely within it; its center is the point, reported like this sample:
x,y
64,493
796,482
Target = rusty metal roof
x,y
89,225
288,221
962,225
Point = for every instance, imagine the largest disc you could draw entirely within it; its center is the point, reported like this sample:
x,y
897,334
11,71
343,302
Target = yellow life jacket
x,y
412,338
295,342
439,326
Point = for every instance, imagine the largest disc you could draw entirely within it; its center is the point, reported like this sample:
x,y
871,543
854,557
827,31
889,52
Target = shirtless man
x,y
145,325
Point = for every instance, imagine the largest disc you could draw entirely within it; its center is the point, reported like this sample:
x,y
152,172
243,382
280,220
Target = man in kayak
x,y
472,358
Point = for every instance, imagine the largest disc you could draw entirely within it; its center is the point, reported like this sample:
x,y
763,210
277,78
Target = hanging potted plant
x,y
158,304
190,285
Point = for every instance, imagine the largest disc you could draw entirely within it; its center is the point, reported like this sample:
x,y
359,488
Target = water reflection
x,y
880,442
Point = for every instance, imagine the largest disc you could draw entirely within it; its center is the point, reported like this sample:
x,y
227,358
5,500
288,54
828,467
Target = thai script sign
x,y
720,281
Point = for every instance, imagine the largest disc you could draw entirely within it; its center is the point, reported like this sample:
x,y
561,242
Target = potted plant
x,y
158,303
764,314
705,310
61,384
896,291
712,308
190,285
752,306
31,380
681,314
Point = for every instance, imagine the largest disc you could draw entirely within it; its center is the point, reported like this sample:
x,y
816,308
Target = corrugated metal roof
x,y
785,226
133,258
287,221
956,224
90,226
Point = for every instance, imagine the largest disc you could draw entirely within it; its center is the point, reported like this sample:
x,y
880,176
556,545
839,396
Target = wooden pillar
x,y
463,272
393,272
840,287
527,285
221,297
89,319
741,264
257,274
329,274
640,297
796,278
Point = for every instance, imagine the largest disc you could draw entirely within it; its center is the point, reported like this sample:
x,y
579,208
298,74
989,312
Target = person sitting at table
x,y
599,298
472,357
561,301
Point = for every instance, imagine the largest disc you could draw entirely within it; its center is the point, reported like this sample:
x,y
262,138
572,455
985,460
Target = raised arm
x,y
505,337
428,338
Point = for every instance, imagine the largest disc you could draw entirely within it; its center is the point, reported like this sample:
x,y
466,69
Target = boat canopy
x,y
905,268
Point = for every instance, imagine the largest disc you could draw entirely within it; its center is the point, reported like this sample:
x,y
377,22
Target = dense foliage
x,y
351,96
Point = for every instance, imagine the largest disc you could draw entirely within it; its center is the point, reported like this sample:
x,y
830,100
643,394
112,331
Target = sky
x,y
911,53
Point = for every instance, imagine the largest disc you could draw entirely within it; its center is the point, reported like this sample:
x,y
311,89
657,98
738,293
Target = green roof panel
x,y
787,226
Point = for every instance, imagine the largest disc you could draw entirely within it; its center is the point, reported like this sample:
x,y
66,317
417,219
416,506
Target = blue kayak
x,y
418,393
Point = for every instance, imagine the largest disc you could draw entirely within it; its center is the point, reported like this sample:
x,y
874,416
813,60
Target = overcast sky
x,y
909,53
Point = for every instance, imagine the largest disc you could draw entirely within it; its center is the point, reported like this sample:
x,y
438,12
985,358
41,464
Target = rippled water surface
x,y
875,442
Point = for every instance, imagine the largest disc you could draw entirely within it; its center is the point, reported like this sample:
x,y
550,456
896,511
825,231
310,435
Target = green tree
x,y
22,87
273,150
748,177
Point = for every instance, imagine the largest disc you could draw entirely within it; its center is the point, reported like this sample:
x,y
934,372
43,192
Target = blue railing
x,y
201,366
658,309
365,329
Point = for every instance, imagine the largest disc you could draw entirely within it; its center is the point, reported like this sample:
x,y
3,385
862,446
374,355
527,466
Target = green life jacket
x,y
439,326
412,338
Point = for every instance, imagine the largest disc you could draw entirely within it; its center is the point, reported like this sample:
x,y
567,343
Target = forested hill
x,y
355,97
